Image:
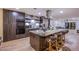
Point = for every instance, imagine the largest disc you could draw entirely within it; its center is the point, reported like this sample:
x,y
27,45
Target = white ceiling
x,y
67,12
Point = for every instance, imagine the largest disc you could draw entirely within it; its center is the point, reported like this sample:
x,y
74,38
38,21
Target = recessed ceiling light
x,y
61,12
39,13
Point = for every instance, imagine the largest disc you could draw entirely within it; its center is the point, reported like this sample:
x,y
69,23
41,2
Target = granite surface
x,y
46,33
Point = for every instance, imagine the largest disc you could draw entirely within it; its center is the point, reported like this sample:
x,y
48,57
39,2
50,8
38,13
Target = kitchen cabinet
x,y
13,25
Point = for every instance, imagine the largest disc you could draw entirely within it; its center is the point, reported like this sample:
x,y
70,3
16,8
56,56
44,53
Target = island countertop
x,y
47,33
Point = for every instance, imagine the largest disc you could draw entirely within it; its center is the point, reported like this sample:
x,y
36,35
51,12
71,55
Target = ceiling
x,y
55,12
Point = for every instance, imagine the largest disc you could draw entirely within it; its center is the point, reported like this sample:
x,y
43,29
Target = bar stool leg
x,y
56,45
50,47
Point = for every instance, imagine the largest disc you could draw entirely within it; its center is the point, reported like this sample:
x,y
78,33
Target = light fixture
x,y
26,24
39,13
61,12
37,24
14,13
32,21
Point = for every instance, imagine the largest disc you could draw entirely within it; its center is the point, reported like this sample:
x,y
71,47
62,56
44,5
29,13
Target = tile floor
x,y
17,45
72,41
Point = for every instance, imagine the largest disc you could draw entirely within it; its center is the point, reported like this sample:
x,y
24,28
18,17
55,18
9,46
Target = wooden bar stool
x,y
60,40
52,43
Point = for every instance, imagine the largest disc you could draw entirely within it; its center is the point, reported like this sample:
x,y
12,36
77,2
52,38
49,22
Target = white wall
x,y
77,25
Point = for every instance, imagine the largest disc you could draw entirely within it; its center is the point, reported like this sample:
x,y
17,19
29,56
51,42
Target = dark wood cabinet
x,y
37,42
20,27
13,22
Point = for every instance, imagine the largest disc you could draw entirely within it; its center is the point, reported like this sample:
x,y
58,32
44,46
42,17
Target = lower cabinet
x,y
37,42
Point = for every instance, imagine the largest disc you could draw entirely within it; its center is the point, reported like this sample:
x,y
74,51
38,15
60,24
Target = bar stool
x,y
52,43
63,36
60,40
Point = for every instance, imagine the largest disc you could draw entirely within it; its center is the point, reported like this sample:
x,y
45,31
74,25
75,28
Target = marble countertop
x,y
46,33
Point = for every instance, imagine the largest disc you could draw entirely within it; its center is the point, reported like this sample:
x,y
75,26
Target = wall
x,y
61,22
77,25
1,23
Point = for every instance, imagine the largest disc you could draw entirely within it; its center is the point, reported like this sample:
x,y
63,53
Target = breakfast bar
x,y
38,38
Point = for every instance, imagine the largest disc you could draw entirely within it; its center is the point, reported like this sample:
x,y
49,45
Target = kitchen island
x,y
38,38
